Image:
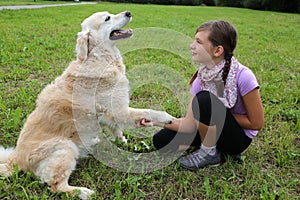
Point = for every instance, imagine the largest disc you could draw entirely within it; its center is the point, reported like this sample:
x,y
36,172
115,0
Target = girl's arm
x,y
254,119
186,124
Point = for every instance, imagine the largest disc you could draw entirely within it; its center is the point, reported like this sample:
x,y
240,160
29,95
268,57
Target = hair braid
x,y
226,67
193,77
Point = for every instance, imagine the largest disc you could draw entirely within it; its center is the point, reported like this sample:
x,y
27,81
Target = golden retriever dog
x,y
94,85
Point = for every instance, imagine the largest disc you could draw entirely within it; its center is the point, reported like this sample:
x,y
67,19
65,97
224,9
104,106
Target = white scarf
x,y
211,80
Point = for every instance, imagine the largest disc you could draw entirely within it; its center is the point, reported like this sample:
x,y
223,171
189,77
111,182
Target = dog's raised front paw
x,y
161,116
169,118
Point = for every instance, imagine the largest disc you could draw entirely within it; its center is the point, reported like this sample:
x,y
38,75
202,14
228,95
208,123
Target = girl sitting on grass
x,y
225,110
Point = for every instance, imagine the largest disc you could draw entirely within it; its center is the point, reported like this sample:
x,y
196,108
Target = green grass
x,y
37,45
30,2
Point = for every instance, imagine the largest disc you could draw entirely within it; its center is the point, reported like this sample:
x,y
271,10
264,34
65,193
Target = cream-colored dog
x,y
92,87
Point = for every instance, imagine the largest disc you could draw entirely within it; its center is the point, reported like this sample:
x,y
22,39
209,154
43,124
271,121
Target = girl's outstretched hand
x,y
147,123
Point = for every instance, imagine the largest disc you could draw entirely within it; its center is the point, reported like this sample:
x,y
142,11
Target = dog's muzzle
x,y
122,34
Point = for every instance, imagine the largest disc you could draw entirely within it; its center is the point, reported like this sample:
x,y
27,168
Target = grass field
x,y
30,2
36,45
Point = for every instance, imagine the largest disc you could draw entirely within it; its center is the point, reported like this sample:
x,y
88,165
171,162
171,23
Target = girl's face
x,y
202,49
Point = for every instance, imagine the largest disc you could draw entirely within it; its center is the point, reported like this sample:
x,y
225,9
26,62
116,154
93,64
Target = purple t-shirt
x,y
246,82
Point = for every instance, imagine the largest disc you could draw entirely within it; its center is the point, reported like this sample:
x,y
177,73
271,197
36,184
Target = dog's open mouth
x,y
120,34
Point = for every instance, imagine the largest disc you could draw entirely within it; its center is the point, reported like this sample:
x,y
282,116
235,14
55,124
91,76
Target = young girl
x,y
225,110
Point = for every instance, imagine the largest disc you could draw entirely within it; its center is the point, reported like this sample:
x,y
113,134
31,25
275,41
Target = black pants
x,y
209,110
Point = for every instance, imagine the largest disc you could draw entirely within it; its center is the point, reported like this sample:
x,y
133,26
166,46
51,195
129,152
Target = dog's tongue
x,y
119,34
127,31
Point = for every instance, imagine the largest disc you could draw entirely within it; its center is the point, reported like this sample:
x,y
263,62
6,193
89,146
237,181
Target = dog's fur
x,y
93,85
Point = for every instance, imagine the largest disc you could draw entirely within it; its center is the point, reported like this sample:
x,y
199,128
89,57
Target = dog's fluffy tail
x,y
4,153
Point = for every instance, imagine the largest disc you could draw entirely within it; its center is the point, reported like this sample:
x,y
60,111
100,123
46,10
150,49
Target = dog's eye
x,y
107,18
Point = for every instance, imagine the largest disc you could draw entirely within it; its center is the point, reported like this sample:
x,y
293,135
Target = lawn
x,y
36,45
30,2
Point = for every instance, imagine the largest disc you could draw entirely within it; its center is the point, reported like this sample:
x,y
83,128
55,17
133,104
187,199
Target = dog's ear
x,y
82,46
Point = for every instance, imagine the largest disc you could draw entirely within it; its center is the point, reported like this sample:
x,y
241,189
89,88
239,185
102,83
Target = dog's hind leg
x,y
56,168
84,192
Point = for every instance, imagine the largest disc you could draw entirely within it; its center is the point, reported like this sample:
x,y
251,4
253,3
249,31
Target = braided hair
x,y
224,34
226,67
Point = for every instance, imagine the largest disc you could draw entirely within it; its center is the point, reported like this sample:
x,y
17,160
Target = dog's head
x,y
104,29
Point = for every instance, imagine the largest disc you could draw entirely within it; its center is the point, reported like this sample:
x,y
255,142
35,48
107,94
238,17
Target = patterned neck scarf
x,y
211,80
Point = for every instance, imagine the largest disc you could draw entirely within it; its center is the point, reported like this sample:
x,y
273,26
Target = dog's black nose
x,y
128,14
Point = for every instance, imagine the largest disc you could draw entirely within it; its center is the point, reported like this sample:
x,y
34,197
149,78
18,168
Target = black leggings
x,y
209,110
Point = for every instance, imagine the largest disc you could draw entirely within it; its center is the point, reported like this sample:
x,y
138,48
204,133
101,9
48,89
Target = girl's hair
x,y
224,34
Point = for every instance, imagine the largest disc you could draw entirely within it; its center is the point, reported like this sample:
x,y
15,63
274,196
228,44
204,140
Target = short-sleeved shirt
x,y
246,82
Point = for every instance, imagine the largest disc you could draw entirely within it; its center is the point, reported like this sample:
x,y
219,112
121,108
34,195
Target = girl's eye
x,y
107,18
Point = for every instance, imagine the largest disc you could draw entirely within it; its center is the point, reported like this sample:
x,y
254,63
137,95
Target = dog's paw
x,y
85,193
168,119
122,139
161,116
95,141
4,170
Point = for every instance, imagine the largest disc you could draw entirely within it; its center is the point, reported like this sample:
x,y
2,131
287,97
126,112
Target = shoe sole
x,y
195,169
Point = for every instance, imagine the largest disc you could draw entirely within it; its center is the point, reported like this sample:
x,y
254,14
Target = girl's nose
x,y
192,45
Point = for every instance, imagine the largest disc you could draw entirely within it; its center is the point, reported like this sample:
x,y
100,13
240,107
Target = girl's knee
x,y
201,100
